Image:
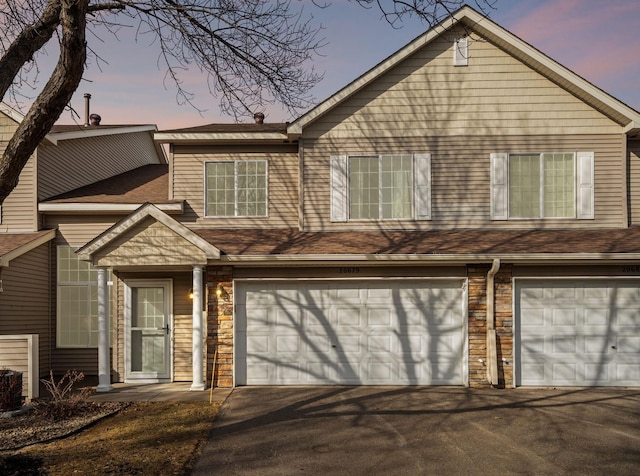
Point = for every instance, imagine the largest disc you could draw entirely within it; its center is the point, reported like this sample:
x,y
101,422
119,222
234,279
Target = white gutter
x,y
218,136
492,349
421,259
104,207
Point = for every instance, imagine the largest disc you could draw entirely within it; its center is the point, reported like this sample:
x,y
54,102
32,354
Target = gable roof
x,y
472,20
136,218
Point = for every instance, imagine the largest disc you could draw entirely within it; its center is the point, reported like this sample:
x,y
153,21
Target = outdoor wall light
x,y
221,293
191,293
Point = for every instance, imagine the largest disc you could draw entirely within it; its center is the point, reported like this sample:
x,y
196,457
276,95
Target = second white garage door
x,y
350,333
578,332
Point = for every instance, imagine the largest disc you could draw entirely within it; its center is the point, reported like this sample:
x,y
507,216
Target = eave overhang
x,y
428,259
220,137
105,208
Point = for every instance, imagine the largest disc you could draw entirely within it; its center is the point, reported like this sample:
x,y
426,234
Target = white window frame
x,y
235,188
339,188
93,320
583,187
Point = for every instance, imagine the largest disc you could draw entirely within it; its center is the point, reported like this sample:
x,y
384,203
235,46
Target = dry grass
x,y
144,439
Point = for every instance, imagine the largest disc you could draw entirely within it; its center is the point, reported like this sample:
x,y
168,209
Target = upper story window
x,y
542,185
236,188
381,187
77,319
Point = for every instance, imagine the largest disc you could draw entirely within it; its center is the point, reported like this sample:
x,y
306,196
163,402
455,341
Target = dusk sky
x,y
596,39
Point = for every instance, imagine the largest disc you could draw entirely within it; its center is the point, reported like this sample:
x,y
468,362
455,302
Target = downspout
x,y
492,349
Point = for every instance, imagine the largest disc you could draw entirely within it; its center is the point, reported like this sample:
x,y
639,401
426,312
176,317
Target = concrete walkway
x,y
424,431
164,392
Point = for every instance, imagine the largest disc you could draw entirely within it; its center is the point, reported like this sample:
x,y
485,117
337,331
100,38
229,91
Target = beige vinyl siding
x,y
633,151
74,163
76,230
188,184
426,95
24,302
148,244
461,182
14,355
19,208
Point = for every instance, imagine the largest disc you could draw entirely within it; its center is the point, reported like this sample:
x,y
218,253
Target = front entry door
x,y
148,330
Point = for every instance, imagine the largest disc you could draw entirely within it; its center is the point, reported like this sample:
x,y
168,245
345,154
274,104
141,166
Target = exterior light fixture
x,y
191,293
221,293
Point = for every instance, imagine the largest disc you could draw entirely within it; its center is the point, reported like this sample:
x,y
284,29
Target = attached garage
x,y
382,332
578,332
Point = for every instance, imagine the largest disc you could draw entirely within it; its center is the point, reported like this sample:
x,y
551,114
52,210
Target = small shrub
x,y
66,398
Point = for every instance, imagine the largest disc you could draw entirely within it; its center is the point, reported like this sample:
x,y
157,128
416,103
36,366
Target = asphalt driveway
x,y
424,430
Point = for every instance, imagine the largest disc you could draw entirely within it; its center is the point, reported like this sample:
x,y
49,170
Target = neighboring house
x,y
464,213
37,260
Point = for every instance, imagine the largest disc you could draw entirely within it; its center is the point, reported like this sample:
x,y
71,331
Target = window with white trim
x,y
77,317
542,185
236,188
381,187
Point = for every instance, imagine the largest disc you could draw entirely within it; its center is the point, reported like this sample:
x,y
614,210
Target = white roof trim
x,y
82,133
11,112
105,207
477,21
148,210
218,136
425,259
11,255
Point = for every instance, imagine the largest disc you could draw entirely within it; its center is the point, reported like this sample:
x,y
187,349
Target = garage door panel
x,y
570,332
359,335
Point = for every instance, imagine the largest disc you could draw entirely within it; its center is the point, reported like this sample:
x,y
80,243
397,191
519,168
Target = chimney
x,y
258,117
87,99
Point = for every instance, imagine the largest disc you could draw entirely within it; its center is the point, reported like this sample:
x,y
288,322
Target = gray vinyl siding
x,y
188,183
24,302
633,151
461,182
100,158
427,96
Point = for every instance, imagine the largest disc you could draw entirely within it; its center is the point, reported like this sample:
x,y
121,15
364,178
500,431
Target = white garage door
x,y
577,333
351,333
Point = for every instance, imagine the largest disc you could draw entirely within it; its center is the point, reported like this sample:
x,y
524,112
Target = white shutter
x,y
585,201
499,186
422,190
461,52
339,204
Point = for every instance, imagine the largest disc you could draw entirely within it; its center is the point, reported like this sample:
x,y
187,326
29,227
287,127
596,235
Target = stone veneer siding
x,y
477,293
219,328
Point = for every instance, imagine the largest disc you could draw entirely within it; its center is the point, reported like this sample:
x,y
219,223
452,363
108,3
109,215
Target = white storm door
x,y
148,330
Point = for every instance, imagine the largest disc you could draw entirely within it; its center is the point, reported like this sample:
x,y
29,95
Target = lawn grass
x,y
147,438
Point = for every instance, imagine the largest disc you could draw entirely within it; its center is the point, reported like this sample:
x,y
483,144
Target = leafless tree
x,y
251,52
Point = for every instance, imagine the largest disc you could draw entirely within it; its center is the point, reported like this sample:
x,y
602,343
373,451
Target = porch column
x,y
197,382
104,364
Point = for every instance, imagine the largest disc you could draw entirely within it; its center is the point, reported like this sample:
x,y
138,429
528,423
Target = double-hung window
x,y
77,316
381,187
236,188
542,185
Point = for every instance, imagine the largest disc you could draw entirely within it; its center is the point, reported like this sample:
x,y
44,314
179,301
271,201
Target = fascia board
x,y
427,259
218,136
11,112
79,208
13,254
55,137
